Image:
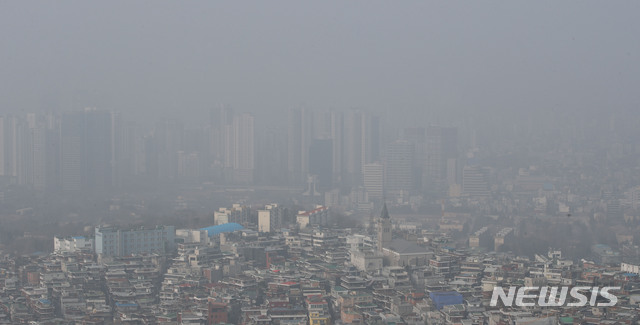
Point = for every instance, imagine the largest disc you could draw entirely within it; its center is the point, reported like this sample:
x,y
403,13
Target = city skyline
x,y
319,163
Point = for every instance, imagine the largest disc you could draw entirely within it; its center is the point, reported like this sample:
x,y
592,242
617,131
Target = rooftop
x,y
223,228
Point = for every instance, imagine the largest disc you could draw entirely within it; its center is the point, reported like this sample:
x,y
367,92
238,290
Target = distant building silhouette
x,y
86,150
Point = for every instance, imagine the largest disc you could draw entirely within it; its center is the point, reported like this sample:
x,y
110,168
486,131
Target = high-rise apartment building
x,y
373,178
239,149
243,151
189,165
168,139
474,181
86,150
271,148
361,144
97,149
12,134
38,156
337,126
299,136
321,162
441,144
24,153
32,166
14,130
229,153
53,147
399,169
72,151
122,149
416,136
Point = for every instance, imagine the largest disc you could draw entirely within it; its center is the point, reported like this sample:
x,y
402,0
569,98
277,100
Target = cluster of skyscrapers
x,y
95,150
73,151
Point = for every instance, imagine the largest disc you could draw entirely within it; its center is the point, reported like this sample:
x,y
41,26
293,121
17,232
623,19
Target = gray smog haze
x,y
426,57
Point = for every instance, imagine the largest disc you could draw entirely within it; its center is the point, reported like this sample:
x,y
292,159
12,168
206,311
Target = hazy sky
x,y
160,57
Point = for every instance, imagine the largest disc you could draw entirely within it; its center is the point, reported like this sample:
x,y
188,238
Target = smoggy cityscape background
x,y
287,162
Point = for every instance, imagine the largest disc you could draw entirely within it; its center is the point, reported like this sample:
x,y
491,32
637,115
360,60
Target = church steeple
x,y
385,213
383,227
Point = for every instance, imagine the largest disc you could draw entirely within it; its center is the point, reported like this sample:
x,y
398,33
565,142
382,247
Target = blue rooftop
x,y
441,299
223,228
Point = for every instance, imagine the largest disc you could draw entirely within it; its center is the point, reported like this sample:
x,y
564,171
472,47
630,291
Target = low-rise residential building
x,y
114,241
72,244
